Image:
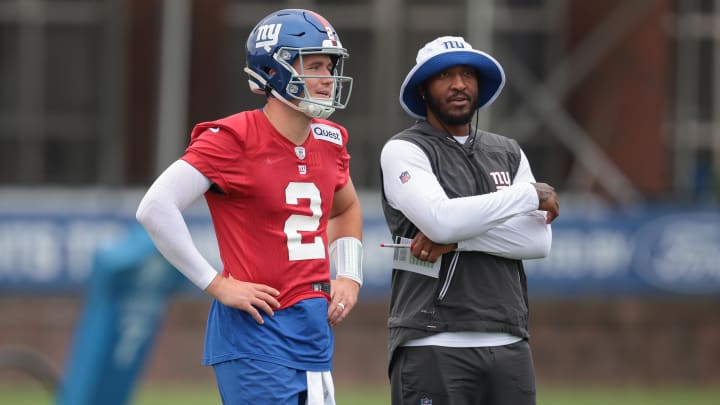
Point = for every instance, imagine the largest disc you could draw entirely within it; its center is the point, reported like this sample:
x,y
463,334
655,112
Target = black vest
x,y
482,292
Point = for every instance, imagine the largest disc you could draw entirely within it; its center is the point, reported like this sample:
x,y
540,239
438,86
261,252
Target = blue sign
x,y
663,250
666,252
54,253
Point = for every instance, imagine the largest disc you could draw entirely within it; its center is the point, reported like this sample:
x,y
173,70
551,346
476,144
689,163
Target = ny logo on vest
x,y
267,36
501,179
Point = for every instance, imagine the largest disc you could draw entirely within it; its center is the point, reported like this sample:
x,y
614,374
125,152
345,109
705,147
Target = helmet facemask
x,y
315,107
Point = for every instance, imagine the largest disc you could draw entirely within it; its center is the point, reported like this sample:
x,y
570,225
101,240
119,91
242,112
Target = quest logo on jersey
x,y
327,133
267,36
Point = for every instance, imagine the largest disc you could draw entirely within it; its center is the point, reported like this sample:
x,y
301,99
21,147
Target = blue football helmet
x,y
277,41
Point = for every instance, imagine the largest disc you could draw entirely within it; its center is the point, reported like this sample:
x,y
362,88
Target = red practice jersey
x,y
271,199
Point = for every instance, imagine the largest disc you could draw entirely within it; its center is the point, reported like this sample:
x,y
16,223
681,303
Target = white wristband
x,y
347,255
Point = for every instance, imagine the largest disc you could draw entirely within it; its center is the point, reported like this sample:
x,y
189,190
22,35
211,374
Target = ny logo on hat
x,y
453,44
441,45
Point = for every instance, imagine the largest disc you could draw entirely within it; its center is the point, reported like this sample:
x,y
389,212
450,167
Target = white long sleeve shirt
x,y
505,223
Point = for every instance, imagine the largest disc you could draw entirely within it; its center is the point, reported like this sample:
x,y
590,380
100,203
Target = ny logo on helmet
x,y
267,36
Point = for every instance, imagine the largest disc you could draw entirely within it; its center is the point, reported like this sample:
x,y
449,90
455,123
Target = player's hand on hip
x,y
427,250
248,297
548,200
343,297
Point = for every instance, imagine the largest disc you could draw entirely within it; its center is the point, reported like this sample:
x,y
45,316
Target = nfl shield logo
x,y
300,152
404,177
426,401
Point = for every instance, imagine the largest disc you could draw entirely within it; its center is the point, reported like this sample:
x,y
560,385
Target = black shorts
x,y
434,375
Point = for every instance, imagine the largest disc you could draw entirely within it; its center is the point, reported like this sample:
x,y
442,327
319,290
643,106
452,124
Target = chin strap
x,y
347,255
310,109
315,109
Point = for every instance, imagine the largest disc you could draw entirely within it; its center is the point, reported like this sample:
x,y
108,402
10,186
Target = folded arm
x,y
424,202
526,236
505,223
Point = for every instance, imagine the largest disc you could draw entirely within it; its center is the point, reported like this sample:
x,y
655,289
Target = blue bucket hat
x,y
440,54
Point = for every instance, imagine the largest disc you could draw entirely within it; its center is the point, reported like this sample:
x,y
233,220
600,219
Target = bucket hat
x,y
440,54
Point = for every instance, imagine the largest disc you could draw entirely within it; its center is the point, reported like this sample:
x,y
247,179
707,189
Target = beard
x,y
446,116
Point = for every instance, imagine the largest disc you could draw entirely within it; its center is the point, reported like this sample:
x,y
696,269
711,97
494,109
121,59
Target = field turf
x,y
30,394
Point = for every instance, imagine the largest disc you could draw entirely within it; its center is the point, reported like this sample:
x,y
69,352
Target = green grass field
x,y
28,394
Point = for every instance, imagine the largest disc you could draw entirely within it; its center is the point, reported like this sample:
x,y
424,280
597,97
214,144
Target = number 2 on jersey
x,y
296,223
